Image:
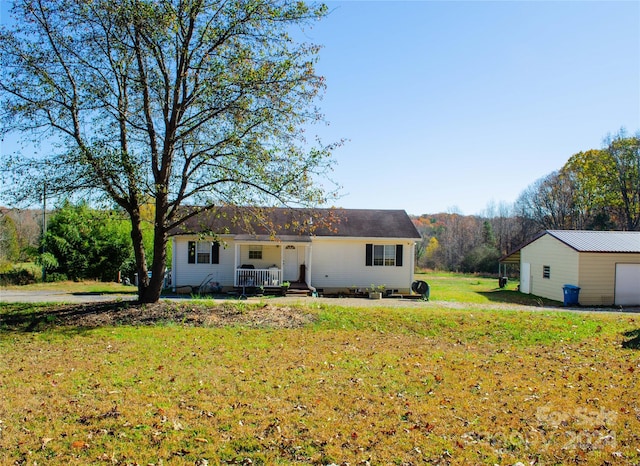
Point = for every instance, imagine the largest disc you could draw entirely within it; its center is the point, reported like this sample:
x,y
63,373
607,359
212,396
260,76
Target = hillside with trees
x,y
595,190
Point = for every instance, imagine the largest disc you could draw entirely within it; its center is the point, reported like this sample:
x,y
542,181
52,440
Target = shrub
x,y
56,277
481,259
17,277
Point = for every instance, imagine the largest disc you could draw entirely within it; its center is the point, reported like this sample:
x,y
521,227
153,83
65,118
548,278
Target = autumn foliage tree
x,y
598,189
461,243
184,102
9,246
607,184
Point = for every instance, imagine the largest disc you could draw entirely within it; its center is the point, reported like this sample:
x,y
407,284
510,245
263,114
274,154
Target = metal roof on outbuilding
x,y
585,241
599,241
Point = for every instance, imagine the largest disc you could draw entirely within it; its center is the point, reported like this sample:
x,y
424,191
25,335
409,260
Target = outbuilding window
x,y
546,271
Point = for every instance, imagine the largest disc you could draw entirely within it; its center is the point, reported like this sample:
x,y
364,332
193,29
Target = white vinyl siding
x,y
336,263
192,274
562,262
261,256
339,263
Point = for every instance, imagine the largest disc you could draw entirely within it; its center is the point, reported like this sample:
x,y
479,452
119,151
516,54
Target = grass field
x,y
370,385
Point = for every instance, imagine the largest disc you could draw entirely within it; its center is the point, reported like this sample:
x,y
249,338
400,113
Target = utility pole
x,y
44,228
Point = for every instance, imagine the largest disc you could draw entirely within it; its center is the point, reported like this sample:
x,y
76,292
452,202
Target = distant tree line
x,y
595,190
467,243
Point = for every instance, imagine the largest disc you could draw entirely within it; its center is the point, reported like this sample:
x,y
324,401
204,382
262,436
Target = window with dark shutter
x,y
192,252
215,253
383,255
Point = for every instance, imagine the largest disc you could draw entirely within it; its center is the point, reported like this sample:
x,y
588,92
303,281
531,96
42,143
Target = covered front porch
x,y
269,264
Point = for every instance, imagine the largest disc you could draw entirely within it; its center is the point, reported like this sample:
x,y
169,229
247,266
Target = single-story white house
x,y
329,250
605,265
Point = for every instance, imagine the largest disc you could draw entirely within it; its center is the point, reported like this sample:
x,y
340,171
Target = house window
x,y
255,252
203,252
383,255
546,271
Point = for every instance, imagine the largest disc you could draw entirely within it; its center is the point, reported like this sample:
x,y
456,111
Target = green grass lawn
x,y
426,385
443,287
87,286
475,289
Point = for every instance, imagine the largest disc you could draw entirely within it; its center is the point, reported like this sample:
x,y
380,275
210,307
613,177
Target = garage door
x,y
627,284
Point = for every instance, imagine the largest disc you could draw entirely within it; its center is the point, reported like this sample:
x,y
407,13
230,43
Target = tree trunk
x,y
139,253
153,289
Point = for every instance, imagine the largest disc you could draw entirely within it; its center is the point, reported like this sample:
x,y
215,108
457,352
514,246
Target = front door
x,y
525,278
291,264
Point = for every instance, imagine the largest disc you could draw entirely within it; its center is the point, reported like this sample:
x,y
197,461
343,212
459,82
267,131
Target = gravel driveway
x,y
48,296
7,295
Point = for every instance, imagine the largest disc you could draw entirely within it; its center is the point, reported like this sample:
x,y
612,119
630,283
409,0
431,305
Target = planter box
x,y
375,295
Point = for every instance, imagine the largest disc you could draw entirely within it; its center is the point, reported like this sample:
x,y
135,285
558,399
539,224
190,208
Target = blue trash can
x,y
571,293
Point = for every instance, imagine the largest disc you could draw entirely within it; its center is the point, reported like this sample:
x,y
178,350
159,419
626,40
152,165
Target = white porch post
x,y
174,263
282,248
308,261
235,263
412,263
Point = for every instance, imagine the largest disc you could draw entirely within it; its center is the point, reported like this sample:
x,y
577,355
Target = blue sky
x,y
451,106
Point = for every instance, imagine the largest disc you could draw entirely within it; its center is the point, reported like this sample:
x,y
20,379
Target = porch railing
x,y
258,277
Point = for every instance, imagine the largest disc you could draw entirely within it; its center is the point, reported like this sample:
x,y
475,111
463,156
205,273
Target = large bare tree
x,y
548,202
170,102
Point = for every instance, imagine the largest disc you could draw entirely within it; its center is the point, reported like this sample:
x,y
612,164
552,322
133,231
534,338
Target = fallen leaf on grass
x,y
79,445
201,440
45,440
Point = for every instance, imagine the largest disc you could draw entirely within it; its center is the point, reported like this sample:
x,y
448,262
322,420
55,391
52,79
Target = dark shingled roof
x,y
368,223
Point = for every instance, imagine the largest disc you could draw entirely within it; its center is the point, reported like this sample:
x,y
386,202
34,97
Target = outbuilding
x,y
604,265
